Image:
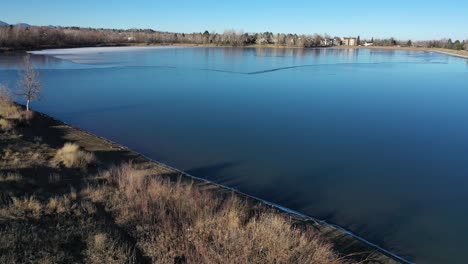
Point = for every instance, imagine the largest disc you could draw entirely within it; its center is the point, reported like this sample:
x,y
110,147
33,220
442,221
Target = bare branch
x,y
29,84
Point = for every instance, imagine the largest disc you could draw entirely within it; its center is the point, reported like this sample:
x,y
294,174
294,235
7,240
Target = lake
x,y
375,141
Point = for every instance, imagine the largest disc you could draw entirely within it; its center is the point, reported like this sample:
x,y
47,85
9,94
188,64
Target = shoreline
x,y
456,53
346,242
27,49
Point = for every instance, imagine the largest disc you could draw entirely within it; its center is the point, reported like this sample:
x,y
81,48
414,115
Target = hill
x,y
23,25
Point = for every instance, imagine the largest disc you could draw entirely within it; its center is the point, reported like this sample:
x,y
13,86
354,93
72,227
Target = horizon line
x,y
232,29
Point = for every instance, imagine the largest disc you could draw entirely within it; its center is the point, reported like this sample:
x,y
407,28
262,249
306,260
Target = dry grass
x,y
24,156
5,125
105,249
60,230
10,110
10,157
60,205
181,222
22,208
71,156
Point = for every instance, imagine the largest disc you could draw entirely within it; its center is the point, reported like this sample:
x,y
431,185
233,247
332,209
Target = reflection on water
x,y
373,140
9,60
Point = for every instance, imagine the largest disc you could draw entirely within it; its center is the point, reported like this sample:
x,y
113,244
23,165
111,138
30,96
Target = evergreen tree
x,y
449,44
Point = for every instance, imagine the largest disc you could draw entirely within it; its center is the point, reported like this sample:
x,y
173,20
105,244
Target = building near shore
x,y
327,42
349,41
336,41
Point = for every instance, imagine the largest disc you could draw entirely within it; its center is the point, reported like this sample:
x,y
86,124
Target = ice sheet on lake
x,y
92,55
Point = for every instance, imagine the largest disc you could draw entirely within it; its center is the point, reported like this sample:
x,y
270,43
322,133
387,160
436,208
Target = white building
x,y
347,41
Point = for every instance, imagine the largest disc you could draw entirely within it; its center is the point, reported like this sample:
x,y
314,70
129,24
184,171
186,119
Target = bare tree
x,y
29,84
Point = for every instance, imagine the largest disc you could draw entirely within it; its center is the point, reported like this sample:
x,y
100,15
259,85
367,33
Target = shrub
x,y
72,157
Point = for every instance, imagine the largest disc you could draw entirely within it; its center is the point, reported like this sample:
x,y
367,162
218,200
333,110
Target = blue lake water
x,y
375,141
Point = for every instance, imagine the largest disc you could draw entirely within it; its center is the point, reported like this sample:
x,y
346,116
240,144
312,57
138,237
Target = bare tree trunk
x,y
29,85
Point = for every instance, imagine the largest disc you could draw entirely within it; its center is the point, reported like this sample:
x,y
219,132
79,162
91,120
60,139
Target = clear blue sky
x,y
403,19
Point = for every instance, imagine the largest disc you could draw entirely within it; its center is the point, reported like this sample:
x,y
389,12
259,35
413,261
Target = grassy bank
x,y
69,196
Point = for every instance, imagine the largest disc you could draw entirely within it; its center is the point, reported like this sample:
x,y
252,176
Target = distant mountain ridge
x,y
25,25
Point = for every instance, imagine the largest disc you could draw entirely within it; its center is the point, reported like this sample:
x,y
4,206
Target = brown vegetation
x,y
180,221
9,110
102,248
47,221
5,125
62,230
71,156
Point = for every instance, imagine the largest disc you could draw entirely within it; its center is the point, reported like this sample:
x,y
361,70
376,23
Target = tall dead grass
x,y
5,125
71,156
22,208
62,229
181,222
102,248
11,111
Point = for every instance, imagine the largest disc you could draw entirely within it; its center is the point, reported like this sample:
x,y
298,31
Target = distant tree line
x,y
385,42
448,44
39,36
30,37
442,43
